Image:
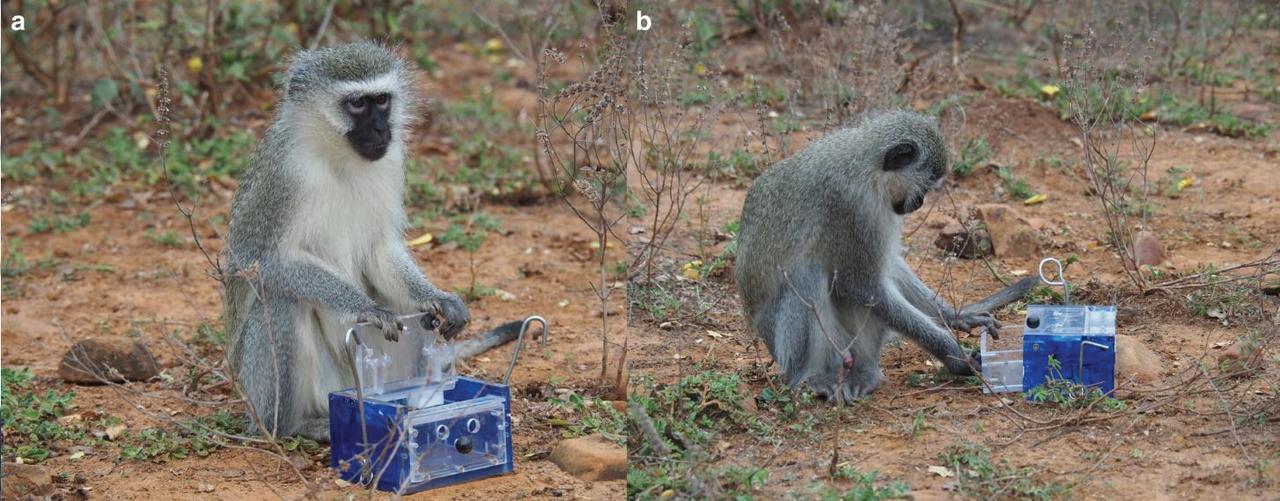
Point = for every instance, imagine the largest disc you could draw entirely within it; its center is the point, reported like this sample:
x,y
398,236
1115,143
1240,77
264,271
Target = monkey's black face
x,y
370,115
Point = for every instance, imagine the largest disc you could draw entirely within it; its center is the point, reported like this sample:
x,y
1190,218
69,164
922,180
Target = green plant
x,y
167,238
199,436
917,424
59,223
863,489
15,263
981,477
1015,185
470,233
592,415
693,409
1073,395
974,152
31,424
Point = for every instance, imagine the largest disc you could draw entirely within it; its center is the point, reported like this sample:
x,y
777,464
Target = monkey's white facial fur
x,y
369,116
354,101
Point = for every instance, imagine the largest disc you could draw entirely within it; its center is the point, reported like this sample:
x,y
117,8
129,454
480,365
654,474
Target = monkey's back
x,y
772,232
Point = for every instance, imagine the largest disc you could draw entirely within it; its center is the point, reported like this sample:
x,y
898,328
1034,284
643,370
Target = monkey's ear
x,y
900,155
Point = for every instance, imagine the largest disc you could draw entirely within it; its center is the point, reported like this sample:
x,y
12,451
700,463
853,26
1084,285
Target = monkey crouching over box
x,y
820,267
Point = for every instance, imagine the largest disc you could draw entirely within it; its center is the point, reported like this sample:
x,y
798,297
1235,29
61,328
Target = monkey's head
x,y
360,94
908,155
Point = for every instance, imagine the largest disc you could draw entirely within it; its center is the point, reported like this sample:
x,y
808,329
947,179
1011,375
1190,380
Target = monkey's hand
x,y
384,320
964,320
451,311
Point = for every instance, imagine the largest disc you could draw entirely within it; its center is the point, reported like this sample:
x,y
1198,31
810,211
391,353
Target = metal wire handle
x,y
515,355
1062,278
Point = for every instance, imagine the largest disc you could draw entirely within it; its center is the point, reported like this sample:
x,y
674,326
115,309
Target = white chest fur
x,y
345,212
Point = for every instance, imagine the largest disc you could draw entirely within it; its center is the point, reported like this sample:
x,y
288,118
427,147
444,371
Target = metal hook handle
x,y
1062,278
515,355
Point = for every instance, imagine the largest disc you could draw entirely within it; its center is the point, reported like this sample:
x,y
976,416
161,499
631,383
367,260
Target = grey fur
x,y
819,234
274,300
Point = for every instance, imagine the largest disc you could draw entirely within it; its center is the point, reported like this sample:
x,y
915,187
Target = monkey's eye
x,y
356,105
382,101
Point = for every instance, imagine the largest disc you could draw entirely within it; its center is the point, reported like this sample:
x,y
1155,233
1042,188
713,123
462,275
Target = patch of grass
x,y
864,487
917,425
657,301
1017,186
167,238
58,223
1186,112
1223,303
470,233
495,169
691,411
31,425
15,263
1073,395
592,415
973,154
686,417
196,436
482,109
981,477
740,165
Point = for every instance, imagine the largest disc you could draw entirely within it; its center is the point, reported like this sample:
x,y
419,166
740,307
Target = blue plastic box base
x,y
1098,370
398,441
1065,334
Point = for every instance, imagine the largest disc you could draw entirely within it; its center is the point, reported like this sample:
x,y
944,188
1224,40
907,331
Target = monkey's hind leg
x,y
264,369
806,334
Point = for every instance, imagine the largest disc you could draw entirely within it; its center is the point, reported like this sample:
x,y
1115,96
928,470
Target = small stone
x,y
1147,250
98,355
969,244
114,431
1134,359
1271,285
21,480
1011,235
591,458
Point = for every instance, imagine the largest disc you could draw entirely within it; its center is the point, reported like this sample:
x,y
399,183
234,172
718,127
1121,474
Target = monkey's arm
x,y
313,283
426,295
966,318
892,308
919,294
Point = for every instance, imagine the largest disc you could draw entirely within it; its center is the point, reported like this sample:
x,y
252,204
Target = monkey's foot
x,y
858,384
315,429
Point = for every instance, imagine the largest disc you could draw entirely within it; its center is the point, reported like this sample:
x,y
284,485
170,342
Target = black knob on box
x,y
463,444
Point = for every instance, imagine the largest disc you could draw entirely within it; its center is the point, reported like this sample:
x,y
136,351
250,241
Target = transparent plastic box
x,y
1059,342
428,427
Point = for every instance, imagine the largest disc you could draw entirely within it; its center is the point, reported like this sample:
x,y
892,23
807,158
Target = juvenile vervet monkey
x,y
316,240
823,229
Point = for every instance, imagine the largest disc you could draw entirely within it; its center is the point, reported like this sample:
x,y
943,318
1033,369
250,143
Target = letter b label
x,y
643,22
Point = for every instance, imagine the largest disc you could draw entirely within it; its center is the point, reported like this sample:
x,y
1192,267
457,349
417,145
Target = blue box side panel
x,y
345,441
381,420
1098,369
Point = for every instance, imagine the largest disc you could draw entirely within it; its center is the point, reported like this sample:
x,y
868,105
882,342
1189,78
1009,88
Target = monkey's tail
x,y
499,336
1005,296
